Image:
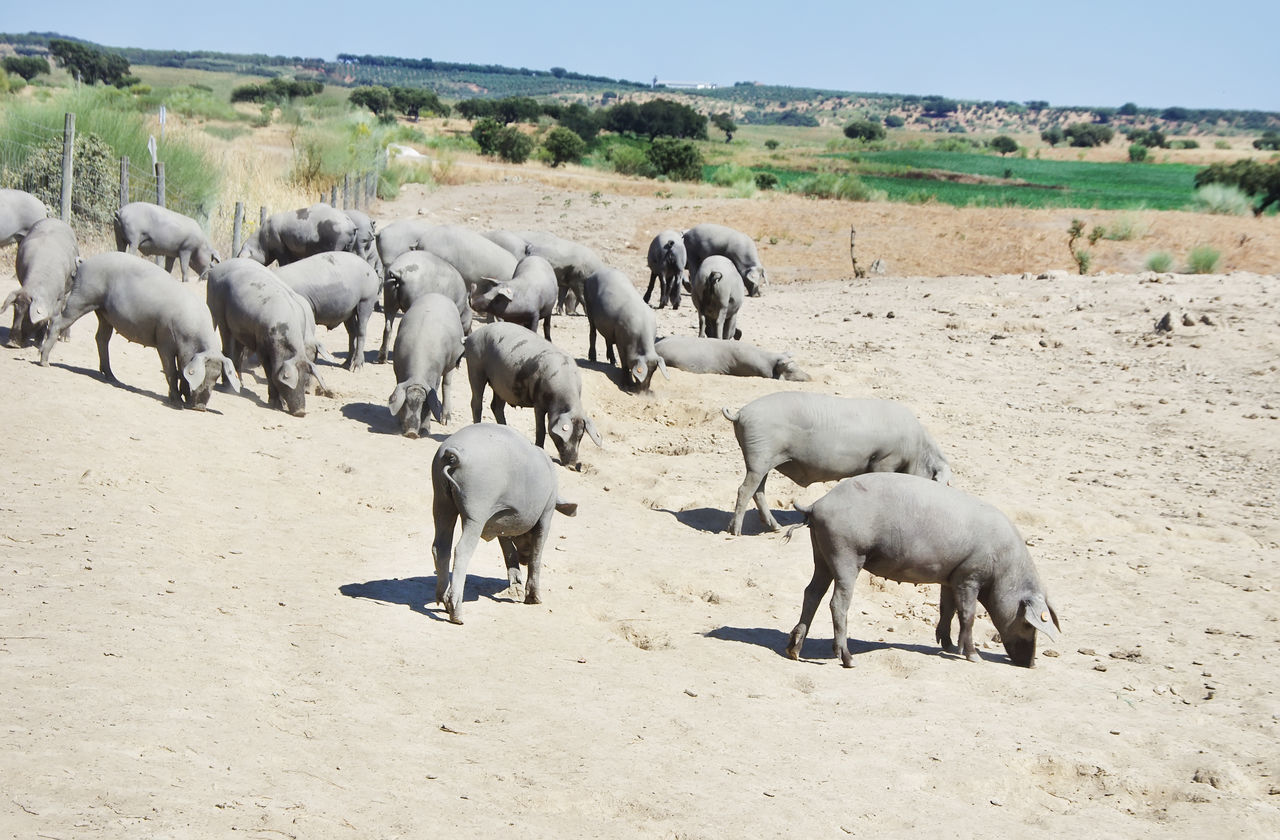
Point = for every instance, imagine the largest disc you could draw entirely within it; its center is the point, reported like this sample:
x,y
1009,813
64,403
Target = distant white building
x,y
684,85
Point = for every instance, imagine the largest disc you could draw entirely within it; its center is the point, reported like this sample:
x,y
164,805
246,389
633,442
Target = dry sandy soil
x,y
215,623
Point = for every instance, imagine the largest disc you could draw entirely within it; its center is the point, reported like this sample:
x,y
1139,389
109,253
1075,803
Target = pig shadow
x,y
815,649
419,593
714,520
379,420
163,399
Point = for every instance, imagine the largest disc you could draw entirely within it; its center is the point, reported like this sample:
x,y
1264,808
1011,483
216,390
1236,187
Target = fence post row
x,y
68,143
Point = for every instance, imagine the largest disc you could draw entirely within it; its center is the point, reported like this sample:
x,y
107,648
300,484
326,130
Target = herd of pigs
x,y
893,512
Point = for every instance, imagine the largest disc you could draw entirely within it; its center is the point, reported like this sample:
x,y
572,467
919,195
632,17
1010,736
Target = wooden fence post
x,y
236,225
68,143
160,183
262,217
124,181
346,192
333,196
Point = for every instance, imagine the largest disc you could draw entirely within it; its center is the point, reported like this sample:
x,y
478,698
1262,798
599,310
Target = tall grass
x,y
1159,261
1203,259
831,185
1223,200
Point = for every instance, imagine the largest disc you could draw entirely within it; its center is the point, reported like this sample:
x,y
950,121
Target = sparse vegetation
x,y
1159,261
1203,259
1083,256
1137,153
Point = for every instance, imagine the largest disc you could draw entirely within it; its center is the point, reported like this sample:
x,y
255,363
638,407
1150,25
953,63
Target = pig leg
x,y
103,337
499,409
531,545
355,343
511,556
364,309
845,569
389,308
471,530
965,594
168,265
674,292
445,516
591,339
184,262
172,376
445,416
946,609
813,593
648,293
753,486
477,391
539,427
546,327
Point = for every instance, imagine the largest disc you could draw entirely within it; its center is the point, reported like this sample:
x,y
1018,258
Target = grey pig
x,y
297,234
717,293
366,242
728,357
137,299
527,298
911,530
428,348
501,486
615,310
46,262
815,437
704,240
412,275
341,288
525,370
667,263
256,312
155,231
469,252
19,210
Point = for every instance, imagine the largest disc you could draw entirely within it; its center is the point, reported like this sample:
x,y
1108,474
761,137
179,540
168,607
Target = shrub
x,y
1203,259
629,160
1222,200
865,130
677,159
1268,140
514,146
1085,135
1159,261
1152,138
28,67
831,185
1053,135
771,144
485,133
894,121
1004,144
95,186
391,179
563,146
730,175
1253,178
1137,153
1124,228
766,181
1221,144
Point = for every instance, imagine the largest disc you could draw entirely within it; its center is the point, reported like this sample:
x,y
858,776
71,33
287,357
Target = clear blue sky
x,y
1078,52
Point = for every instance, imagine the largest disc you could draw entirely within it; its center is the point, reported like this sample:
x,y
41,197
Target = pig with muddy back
x,y
912,530
501,487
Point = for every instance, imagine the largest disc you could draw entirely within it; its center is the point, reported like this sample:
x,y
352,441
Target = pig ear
x,y
1038,613
9,300
434,406
504,292
639,369
396,401
315,373
194,371
322,353
229,371
591,432
662,368
567,508
288,375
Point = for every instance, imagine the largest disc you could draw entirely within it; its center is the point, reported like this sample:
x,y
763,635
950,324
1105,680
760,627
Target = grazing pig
x,y
341,289
46,262
155,231
19,210
501,486
428,348
525,370
256,312
412,275
573,264
469,252
907,529
717,293
297,234
667,262
815,437
728,357
136,298
513,243
366,245
527,298
615,310
705,240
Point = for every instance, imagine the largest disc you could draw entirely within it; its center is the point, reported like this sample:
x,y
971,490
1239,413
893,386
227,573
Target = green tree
x,y
473,109
1128,109
1152,138
413,101
1089,134
26,66
581,120
1137,153
771,144
485,132
1053,135
517,109
1004,144
87,64
678,159
725,123
563,146
514,146
376,99
864,130
1268,140
894,121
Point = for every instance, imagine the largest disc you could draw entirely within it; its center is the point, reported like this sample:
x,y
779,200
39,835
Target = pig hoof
x,y
533,598
973,656
411,435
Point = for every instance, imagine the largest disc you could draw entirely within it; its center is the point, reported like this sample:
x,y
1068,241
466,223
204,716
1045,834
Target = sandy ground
x,y
216,623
